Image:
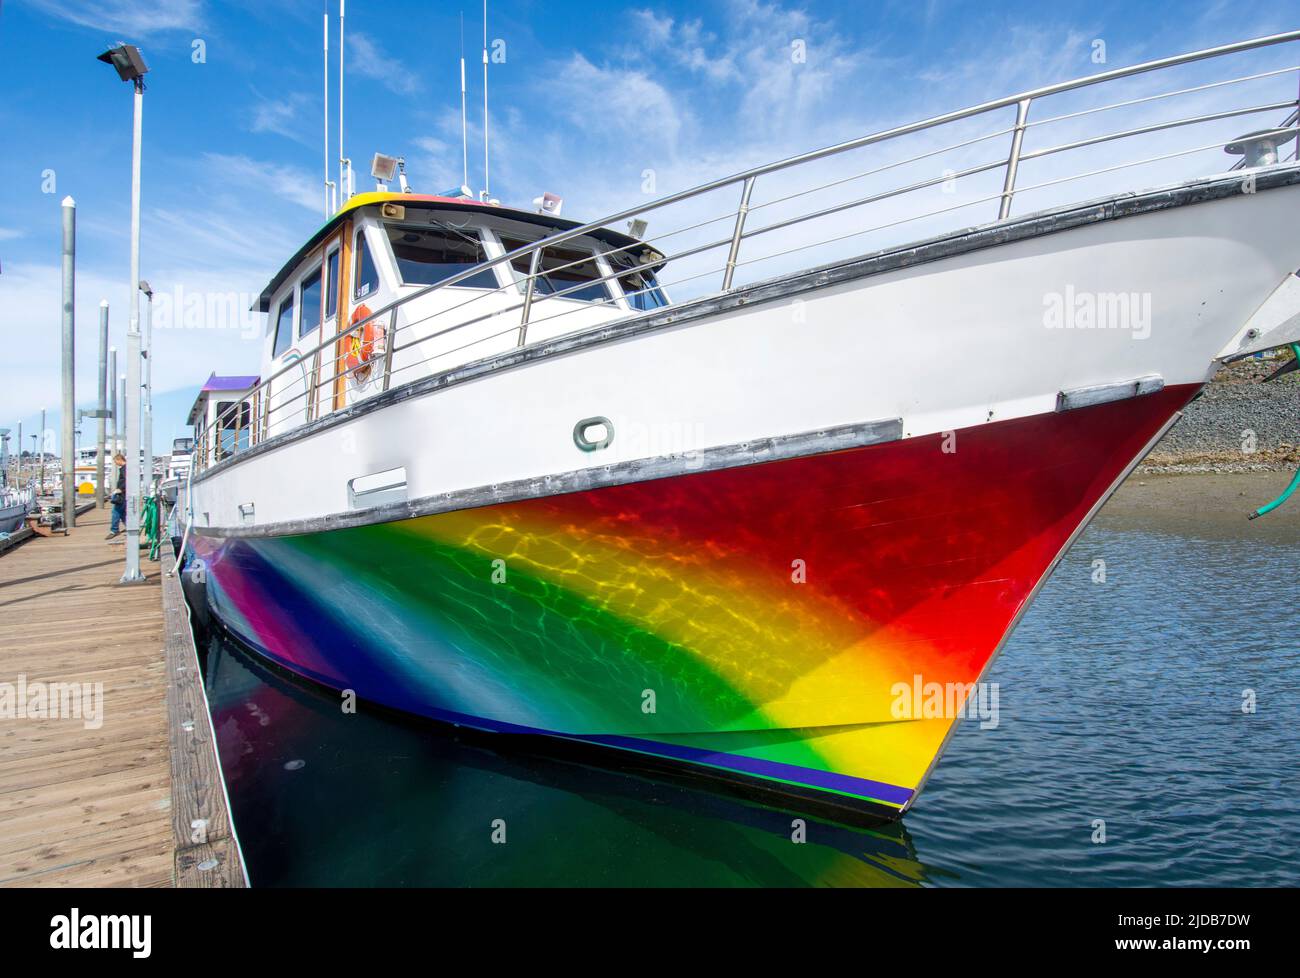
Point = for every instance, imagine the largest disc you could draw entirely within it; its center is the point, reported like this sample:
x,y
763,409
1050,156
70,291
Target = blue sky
x,y
589,97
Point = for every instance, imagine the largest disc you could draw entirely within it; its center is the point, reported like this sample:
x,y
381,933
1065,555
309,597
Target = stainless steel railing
x,y
740,229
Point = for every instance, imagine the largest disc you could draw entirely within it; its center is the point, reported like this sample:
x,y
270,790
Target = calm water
x,y
1119,701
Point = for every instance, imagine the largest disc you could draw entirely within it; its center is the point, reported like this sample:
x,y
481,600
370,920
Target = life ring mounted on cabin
x,y
364,346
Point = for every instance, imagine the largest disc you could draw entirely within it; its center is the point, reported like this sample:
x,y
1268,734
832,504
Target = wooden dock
x,y
135,798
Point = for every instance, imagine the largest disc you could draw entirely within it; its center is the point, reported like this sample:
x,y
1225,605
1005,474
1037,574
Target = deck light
x,y
127,60
637,228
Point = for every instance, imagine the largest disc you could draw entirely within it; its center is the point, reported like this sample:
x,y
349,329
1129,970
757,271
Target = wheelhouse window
x,y
283,327
561,269
309,318
426,256
367,276
332,284
639,285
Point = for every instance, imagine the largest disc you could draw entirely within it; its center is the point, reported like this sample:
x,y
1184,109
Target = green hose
x,y
1269,507
1295,482
151,525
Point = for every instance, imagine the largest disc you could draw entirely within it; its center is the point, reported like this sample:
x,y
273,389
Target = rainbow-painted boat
x,y
776,531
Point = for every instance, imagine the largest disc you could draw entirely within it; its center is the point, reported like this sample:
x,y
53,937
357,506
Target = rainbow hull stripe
x,y
753,621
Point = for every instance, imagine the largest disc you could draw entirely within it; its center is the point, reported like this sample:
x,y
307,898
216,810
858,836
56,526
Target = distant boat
x,y
495,475
15,504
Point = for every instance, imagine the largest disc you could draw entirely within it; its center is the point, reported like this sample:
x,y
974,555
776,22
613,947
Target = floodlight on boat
x,y
549,203
384,168
127,60
637,228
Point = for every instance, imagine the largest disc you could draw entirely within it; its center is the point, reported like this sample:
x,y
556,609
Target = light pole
x,y
112,393
121,430
147,479
130,66
103,401
67,450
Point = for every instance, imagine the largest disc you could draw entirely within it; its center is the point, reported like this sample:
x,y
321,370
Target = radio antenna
x,y
329,184
486,184
464,124
345,165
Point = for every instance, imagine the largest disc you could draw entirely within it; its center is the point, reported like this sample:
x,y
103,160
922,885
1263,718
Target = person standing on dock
x,y
119,497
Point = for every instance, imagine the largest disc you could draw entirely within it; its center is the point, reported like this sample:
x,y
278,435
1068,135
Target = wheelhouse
x,y
403,269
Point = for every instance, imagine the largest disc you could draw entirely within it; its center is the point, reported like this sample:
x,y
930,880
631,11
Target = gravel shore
x,y
1238,424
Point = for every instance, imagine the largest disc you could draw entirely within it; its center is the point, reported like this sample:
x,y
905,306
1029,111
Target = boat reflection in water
x,y
322,797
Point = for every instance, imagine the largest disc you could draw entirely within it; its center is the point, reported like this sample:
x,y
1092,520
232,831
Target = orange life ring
x,y
362,345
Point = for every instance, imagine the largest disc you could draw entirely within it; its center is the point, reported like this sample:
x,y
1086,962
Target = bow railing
x,y
879,190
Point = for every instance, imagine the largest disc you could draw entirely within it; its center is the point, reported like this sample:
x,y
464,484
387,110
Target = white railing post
x,y
738,233
528,295
1013,160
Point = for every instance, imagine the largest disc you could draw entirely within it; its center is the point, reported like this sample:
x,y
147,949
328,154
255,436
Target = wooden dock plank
x,y
133,797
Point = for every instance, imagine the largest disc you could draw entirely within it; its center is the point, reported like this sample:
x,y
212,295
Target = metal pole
x,y
147,480
528,296
112,383
1013,160
733,255
41,441
103,401
345,165
68,462
19,477
132,573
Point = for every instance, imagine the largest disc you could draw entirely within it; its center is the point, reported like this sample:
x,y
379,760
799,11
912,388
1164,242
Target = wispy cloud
x,y
126,16
366,58
286,182
8,234
285,117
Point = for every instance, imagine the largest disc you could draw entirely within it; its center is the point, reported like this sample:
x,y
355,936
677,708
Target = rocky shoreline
x,y
1238,424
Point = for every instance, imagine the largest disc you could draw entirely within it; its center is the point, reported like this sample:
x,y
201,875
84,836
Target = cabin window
x,y
562,269
309,318
283,326
426,256
639,285
332,284
234,427
367,276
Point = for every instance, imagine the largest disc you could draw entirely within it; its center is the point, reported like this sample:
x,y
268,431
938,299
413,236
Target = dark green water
x,y
1119,701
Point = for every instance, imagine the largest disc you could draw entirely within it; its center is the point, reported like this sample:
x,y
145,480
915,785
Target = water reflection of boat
x,y
414,803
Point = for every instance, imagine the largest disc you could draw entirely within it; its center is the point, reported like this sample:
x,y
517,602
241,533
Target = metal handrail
x,y
1022,102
